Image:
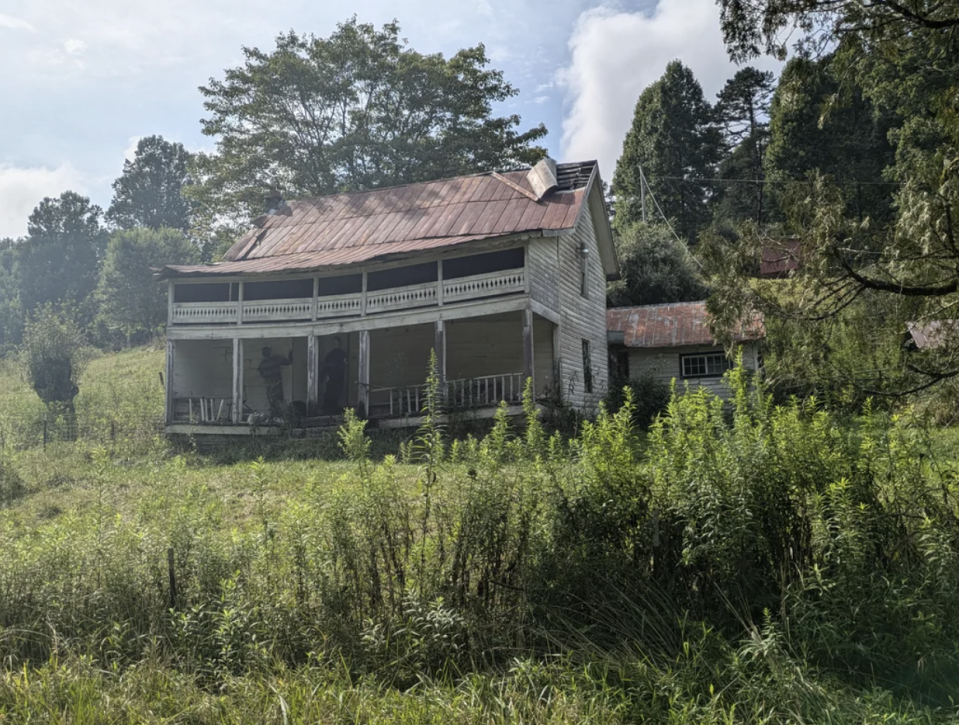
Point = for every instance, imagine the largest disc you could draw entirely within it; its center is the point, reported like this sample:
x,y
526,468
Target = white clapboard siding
x,y
582,317
542,265
663,365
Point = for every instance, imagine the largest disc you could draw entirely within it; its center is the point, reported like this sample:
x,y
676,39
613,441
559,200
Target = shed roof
x,y
356,227
672,325
932,335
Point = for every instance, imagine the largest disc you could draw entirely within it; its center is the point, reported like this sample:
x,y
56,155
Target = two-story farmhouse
x,y
337,302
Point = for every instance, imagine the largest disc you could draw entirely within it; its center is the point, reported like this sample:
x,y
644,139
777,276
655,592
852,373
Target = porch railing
x,y
397,299
462,394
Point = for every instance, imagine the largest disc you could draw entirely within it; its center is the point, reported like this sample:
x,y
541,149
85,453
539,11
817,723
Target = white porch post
x,y
312,375
558,361
528,346
363,381
239,302
439,347
169,310
170,363
237,412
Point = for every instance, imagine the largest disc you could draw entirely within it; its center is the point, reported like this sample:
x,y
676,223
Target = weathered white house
x,y
673,341
502,274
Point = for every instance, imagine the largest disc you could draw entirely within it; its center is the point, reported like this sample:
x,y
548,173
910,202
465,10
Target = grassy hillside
x,y
774,566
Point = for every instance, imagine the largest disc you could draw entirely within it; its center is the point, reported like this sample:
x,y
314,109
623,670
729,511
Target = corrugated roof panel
x,y
673,325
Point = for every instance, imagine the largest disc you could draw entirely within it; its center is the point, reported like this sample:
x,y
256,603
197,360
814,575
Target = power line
x,y
778,181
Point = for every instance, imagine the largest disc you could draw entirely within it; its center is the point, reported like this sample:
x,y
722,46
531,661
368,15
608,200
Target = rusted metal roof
x,y
358,227
780,259
932,335
672,325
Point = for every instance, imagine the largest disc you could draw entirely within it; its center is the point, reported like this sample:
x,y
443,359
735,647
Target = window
x,y
704,365
583,269
587,368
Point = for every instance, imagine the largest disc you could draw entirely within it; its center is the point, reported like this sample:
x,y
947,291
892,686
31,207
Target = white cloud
x,y
74,46
616,54
21,189
6,21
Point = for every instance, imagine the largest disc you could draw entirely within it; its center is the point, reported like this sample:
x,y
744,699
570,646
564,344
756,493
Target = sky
x,y
83,81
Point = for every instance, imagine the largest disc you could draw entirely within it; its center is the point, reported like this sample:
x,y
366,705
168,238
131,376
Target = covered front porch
x,y
223,385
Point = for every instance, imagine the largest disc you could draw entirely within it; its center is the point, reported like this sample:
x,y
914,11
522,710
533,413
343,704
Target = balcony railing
x,y
398,299
464,394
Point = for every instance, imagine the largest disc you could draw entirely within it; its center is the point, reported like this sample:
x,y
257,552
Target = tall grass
x,y
749,563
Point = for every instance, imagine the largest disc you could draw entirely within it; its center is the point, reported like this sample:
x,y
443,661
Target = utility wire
x,y
778,181
649,191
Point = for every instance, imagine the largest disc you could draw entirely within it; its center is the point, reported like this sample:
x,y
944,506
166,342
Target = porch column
x,y
557,362
170,359
439,347
236,415
312,375
363,378
528,346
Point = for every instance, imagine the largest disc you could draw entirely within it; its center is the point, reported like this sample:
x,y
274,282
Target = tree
x,y
742,111
131,300
60,258
149,192
52,355
356,110
11,314
675,144
903,60
655,268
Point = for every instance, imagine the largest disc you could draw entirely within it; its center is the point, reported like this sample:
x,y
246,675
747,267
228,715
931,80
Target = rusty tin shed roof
x,y
672,325
345,229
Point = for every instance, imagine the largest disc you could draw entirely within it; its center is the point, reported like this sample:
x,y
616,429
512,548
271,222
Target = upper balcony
x,y
357,294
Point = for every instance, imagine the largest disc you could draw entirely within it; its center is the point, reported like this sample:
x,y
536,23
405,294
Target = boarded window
x,y
346,284
587,368
401,276
205,292
704,365
483,263
286,289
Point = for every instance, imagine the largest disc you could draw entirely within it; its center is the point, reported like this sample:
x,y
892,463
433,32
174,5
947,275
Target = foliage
x,y
871,218
655,267
149,191
675,144
60,258
11,316
646,395
356,110
52,356
742,110
130,298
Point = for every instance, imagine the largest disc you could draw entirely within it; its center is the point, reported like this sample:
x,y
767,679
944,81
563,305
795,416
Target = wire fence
x,y
38,430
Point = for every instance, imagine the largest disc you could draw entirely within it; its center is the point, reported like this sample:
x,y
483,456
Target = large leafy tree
x,y
52,354
742,110
356,110
60,257
149,192
130,299
655,267
903,59
675,144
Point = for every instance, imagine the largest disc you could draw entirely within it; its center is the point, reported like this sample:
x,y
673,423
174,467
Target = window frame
x,y
706,358
587,367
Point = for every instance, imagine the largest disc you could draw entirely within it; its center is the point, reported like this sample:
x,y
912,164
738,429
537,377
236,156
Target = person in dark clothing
x,y
334,371
271,370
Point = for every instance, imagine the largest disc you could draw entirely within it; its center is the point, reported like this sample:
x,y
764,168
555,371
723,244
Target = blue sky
x,y
83,81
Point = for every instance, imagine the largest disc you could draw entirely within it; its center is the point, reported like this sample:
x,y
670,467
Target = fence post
x,y
169,563
44,430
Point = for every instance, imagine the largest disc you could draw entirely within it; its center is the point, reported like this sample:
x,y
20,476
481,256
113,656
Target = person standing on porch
x,y
271,370
334,370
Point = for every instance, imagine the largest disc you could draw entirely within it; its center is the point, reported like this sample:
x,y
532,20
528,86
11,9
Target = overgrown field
x,y
755,565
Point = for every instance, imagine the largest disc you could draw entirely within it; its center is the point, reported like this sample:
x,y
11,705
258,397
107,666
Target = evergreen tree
x,y
11,315
60,257
131,301
149,191
674,142
742,110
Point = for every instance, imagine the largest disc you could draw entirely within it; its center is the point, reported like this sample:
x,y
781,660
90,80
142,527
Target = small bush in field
x,y
11,484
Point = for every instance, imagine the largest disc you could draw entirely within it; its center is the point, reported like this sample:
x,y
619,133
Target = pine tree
x,y
674,143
